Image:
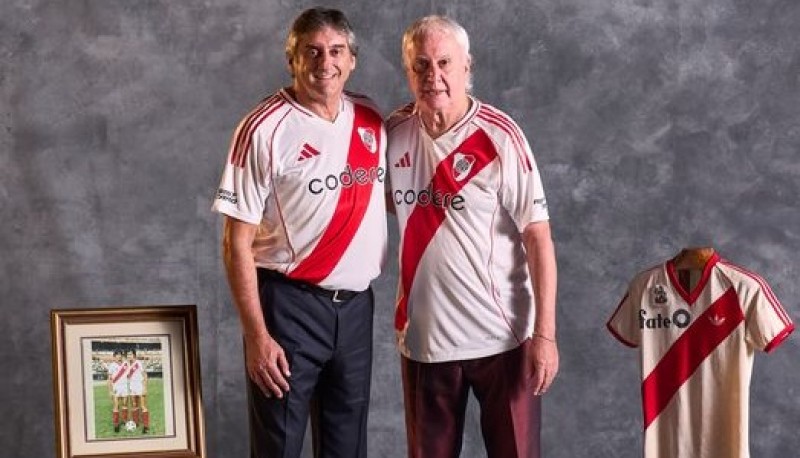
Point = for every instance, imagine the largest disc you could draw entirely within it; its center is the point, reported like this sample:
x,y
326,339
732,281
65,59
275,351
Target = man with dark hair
x,y
118,387
304,235
137,389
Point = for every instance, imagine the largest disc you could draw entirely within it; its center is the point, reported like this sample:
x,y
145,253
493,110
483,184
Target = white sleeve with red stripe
x,y
521,193
766,322
245,183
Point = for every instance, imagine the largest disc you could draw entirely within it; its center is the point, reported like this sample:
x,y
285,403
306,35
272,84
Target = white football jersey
x,y
314,187
696,350
118,372
462,200
136,371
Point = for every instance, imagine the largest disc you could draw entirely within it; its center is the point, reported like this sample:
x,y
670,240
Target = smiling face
x,y
321,64
438,70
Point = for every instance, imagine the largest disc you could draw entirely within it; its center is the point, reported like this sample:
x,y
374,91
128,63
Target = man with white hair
x,y
476,297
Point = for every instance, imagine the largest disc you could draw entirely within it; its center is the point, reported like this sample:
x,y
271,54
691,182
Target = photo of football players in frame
x,y
127,382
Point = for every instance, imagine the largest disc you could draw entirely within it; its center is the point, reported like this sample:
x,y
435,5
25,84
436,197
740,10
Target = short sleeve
x,y
522,192
624,322
766,322
244,186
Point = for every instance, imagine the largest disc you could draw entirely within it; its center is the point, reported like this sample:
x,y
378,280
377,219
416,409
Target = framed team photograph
x,y
126,382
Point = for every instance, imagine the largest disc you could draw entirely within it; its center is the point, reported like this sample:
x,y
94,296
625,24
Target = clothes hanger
x,y
693,258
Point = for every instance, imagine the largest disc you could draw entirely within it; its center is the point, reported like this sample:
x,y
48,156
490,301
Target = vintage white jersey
x,y
314,187
117,372
136,371
462,200
696,350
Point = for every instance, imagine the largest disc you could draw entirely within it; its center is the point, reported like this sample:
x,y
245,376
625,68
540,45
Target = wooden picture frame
x,y
126,382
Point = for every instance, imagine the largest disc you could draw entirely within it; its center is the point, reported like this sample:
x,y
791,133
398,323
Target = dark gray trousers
x,y
329,348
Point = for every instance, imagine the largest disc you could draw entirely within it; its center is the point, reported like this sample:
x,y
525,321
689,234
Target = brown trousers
x,y
436,399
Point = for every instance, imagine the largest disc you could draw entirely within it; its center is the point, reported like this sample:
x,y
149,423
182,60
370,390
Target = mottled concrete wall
x,y
656,124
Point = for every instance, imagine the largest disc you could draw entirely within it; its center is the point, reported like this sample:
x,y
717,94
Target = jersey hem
x,y
235,214
543,218
458,355
619,337
779,339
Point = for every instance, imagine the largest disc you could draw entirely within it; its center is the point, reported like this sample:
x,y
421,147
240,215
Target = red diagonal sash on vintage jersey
x,y
121,370
134,367
351,207
425,220
688,352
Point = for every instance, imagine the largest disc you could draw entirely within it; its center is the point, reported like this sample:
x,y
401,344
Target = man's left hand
x,y
543,358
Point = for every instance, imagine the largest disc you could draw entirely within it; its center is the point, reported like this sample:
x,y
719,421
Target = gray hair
x,y
428,24
314,19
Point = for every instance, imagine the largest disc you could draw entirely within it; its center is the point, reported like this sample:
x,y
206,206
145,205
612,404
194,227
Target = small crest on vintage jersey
x,y
659,295
462,164
368,138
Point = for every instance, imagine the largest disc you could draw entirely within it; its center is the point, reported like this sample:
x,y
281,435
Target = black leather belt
x,y
335,295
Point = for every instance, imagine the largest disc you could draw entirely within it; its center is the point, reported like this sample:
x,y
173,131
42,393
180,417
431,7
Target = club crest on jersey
x,y
659,295
462,164
368,139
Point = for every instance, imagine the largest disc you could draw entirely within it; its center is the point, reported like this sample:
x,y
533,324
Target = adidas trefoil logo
x,y
716,320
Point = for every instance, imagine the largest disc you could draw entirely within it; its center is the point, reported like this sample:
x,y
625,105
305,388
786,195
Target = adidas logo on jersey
x,y
404,161
716,320
462,164
307,152
368,139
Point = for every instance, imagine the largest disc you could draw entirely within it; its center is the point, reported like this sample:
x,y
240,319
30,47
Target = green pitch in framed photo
x,y
127,383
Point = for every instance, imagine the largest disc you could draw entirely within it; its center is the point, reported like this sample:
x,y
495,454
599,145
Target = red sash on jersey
x,y
351,207
121,370
424,221
135,367
699,340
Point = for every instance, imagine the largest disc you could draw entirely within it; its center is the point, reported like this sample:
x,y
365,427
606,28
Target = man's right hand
x,y
267,365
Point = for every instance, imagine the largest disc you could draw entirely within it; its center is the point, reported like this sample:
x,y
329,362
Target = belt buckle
x,y
335,297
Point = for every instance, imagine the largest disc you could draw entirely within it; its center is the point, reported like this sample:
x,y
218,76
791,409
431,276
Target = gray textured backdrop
x,y
657,124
